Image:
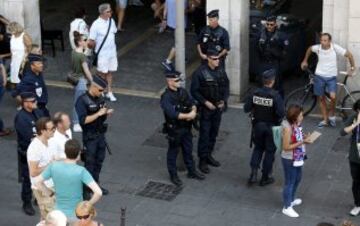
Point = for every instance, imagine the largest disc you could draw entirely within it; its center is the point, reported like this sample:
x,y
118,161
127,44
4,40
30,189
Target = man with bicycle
x,y
326,72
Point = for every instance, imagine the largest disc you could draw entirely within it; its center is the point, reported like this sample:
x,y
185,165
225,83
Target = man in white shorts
x,y
107,57
326,72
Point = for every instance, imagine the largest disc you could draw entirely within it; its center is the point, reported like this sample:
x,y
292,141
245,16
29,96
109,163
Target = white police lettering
x,y
267,102
38,91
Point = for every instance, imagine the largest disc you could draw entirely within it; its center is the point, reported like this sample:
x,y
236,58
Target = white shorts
x,y
107,64
122,3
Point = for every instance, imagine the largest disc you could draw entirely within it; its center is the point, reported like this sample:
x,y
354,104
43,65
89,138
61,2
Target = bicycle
x,y
306,98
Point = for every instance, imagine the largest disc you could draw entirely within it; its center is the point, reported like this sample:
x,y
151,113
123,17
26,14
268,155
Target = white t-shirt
x,y
39,152
97,33
80,26
327,63
56,144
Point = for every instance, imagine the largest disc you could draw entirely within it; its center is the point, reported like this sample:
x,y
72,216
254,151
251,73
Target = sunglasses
x,y
177,80
83,217
270,24
101,90
214,58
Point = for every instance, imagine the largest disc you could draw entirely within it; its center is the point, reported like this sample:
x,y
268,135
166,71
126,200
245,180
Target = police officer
x,y
267,109
93,112
180,112
272,46
33,81
25,128
213,36
210,88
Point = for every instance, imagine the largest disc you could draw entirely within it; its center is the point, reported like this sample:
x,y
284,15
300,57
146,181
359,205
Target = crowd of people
x,y
48,156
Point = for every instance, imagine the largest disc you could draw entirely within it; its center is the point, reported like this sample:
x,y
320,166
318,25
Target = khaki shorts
x,y
46,204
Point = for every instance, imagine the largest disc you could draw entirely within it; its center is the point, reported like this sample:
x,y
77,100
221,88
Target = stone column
x,y
234,16
26,13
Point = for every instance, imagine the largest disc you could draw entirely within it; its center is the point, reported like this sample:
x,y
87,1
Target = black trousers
x,y
355,174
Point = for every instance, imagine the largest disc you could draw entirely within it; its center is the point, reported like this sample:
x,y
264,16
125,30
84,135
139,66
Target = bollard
x,y
123,217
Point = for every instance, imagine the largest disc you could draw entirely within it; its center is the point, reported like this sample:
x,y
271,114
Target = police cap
x,y
213,13
27,95
97,80
269,74
212,52
172,74
271,18
34,57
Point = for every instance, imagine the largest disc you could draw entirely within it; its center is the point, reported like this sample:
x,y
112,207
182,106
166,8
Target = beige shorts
x,y
46,204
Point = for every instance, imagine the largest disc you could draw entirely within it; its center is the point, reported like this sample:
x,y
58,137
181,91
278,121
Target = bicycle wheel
x,y
348,102
302,96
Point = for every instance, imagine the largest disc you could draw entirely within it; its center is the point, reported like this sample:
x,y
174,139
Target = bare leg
x,y
109,81
171,55
120,15
332,104
322,105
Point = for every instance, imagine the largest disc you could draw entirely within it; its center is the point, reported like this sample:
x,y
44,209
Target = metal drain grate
x,y
159,190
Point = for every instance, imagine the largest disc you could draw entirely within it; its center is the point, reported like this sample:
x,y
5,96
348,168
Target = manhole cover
x,y
158,139
341,144
159,190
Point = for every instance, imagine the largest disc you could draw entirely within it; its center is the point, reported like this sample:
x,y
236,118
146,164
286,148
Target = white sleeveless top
x,y
17,48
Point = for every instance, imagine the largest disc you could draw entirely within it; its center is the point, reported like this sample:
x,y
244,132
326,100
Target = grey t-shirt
x,y
286,154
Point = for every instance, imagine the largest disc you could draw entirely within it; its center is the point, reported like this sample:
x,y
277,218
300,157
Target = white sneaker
x,y
296,202
290,212
77,128
111,97
355,211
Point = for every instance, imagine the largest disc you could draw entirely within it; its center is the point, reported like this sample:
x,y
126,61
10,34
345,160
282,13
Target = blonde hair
x,y
86,206
56,218
15,28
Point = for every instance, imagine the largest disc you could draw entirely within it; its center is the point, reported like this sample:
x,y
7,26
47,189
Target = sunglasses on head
x,y
83,217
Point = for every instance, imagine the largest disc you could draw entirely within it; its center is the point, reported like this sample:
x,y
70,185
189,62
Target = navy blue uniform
x,y
178,131
35,84
93,133
25,129
214,38
267,108
213,86
272,46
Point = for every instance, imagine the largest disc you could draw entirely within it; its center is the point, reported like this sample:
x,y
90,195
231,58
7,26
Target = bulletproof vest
x,y
182,105
270,46
212,38
93,106
263,106
213,87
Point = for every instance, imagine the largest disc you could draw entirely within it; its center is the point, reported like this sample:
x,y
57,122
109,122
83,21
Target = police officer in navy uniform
x,y
92,111
213,36
267,109
25,128
210,88
33,81
272,47
180,112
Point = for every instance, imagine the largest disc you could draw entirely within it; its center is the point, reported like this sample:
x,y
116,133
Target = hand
x,y
209,105
109,111
192,115
203,56
221,105
304,65
102,111
351,71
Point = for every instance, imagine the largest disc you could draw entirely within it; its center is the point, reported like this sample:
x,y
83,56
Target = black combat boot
x,y
28,208
266,180
212,162
176,180
196,175
253,177
104,190
203,166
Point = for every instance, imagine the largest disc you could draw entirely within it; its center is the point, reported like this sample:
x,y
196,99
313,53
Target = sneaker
x,y
332,121
322,124
111,97
355,211
296,202
77,128
167,66
290,212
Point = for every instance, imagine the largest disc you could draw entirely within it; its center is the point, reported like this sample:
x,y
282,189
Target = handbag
x,y
95,57
72,78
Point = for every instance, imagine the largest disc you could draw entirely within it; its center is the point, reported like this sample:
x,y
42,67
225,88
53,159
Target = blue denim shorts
x,y
322,84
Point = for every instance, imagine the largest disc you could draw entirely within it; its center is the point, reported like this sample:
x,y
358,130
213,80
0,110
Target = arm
x,y
226,41
4,75
287,139
195,88
350,124
202,55
34,168
248,103
349,55
304,63
27,42
39,183
169,110
86,70
97,193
